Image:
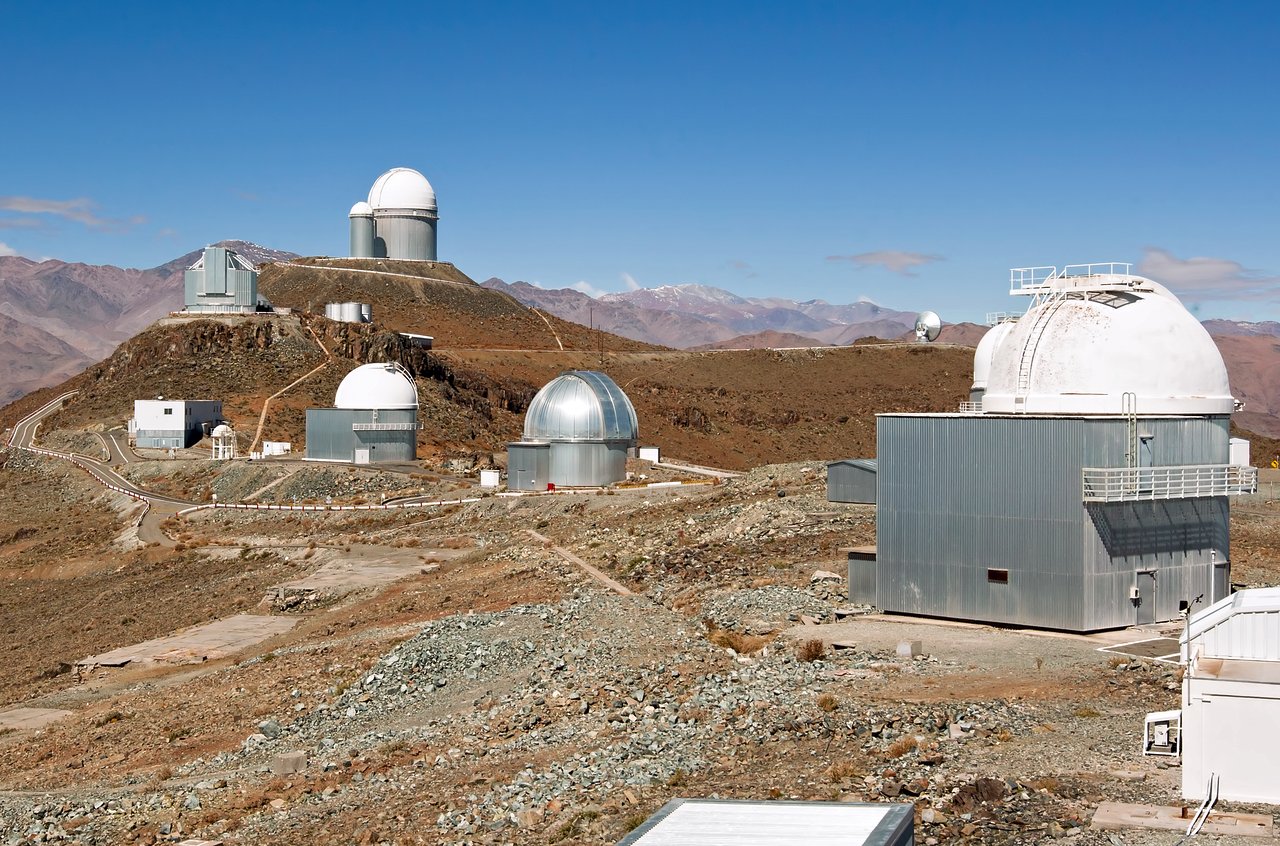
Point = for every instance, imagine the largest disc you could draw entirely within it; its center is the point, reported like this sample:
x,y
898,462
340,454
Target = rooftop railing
x,y
385,427
1133,484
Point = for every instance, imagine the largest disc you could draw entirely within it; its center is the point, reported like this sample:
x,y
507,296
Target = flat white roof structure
x,y
726,822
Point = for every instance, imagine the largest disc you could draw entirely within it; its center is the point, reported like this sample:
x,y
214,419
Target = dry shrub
x,y
1087,712
1116,661
810,650
844,770
828,702
740,643
903,745
1047,783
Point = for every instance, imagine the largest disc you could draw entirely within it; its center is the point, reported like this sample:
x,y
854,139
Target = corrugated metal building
x,y
220,282
578,432
375,418
1231,698
1084,486
852,480
984,517
716,822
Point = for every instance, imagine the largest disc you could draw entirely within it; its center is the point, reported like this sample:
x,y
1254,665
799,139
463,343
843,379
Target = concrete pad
x,y
197,643
364,567
288,763
1120,815
28,719
1156,647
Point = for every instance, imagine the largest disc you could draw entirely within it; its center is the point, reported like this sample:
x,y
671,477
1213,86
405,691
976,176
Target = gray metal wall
x,y
362,237
217,287
528,466
161,439
961,494
853,480
404,237
331,438
584,464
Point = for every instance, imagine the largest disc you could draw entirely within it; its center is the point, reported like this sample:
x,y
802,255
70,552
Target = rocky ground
x,y
501,694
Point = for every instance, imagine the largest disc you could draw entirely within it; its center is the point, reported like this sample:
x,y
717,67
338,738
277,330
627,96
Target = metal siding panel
x,y
959,495
329,434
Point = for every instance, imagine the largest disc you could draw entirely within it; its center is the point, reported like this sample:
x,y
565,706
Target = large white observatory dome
x,y
1089,340
402,188
581,405
377,386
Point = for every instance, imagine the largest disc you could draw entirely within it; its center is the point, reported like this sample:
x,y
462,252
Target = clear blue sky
x,y
909,153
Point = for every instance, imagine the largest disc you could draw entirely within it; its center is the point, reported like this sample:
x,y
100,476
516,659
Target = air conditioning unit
x,y
1162,733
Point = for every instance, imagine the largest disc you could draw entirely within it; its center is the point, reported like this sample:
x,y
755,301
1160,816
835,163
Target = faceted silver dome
x,y
581,405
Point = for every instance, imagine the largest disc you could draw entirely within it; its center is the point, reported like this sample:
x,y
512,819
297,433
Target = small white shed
x,y
716,822
1231,698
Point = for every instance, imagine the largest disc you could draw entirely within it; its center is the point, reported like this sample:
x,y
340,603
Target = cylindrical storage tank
x,y
350,312
362,230
366,313
333,311
407,235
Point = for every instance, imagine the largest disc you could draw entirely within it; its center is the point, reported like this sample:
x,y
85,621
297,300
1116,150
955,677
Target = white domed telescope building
x,y
399,219
578,432
374,418
1085,485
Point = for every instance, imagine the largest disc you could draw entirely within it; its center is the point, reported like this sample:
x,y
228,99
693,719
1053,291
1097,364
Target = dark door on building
x,y
1146,581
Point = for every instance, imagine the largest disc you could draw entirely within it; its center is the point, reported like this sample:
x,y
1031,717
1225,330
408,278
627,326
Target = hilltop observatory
x,y
399,219
1085,484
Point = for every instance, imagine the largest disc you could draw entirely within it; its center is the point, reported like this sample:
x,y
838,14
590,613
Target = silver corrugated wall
x,y
362,237
851,481
405,236
582,464
331,438
528,466
961,495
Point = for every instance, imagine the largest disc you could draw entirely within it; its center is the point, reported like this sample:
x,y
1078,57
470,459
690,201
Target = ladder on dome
x,y
1049,306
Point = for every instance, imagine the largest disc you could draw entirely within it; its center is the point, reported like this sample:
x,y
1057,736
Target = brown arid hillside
x,y
1253,365
767,340
429,298
31,358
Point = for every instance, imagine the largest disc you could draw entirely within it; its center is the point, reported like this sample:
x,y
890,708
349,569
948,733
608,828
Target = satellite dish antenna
x,y
928,325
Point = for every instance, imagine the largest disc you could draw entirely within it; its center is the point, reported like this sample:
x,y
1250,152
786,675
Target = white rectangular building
x,y
173,424
716,822
1231,698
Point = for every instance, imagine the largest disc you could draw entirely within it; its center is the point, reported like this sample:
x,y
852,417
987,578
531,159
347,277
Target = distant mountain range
x,y
56,318
687,316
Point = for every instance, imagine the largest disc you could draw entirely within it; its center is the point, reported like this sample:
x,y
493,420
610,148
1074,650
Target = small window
x,y
998,576
168,411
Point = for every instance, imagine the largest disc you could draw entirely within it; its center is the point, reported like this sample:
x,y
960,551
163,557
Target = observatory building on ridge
x,y
578,432
374,418
221,282
1084,486
399,219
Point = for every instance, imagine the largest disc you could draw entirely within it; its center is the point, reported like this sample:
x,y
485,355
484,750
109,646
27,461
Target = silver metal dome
x,y
581,405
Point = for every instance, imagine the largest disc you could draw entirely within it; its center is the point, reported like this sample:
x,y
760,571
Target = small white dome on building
x,y
1096,339
221,430
986,351
581,405
377,386
402,188
361,209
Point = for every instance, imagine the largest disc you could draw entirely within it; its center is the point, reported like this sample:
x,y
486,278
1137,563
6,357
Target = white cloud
x,y
631,283
895,261
80,210
1207,278
588,289
6,250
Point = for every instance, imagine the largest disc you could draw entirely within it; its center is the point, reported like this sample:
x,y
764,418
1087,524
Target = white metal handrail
x,y
1098,268
971,407
1131,484
1030,278
995,318
385,427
